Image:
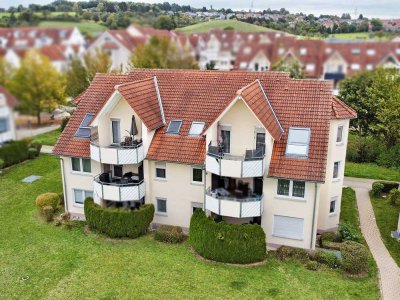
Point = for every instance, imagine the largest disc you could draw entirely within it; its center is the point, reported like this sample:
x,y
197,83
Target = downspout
x,y
313,218
63,183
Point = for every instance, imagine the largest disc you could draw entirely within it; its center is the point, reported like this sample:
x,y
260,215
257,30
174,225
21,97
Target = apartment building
x,y
7,121
247,147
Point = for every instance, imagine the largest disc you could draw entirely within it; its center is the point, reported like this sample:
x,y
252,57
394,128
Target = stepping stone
x,y
31,178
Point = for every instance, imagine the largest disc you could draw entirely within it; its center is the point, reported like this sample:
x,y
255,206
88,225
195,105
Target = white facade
x,y
7,121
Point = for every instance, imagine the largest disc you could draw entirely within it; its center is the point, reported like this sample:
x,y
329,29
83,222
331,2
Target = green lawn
x,y
368,170
48,138
387,216
349,210
84,26
221,24
359,36
67,264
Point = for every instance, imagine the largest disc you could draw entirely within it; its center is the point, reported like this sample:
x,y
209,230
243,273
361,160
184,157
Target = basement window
x,y
84,128
298,142
174,127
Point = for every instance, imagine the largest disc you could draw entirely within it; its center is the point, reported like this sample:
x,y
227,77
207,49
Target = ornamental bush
x,y
118,222
169,234
230,243
354,257
286,252
326,258
388,186
48,213
393,196
377,188
328,237
348,233
14,152
47,199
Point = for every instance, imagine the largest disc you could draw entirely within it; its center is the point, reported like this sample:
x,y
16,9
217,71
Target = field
x,y
221,24
357,36
86,27
39,260
373,171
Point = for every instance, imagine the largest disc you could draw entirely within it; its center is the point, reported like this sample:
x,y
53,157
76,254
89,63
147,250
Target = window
x,y
226,140
161,205
289,188
81,165
196,128
81,195
339,137
118,170
310,67
336,166
355,51
161,170
281,51
243,65
3,125
332,205
303,51
288,227
260,141
116,131
174,127
370,67
197,175
84,128
355,66
371,52
298,142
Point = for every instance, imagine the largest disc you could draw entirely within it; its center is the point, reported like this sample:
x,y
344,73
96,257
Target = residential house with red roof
x,y
246,147
7,122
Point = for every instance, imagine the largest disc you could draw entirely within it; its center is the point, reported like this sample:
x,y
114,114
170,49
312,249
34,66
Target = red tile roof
x,y
190,95
126,39
10,99
341,111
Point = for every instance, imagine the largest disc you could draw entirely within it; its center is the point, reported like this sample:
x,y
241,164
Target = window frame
x,y
286,237
112,120
294,155
192,175
157,165
341,142
169,125
290,196
338,171
6,121
166,206
85,127
335,200
81,170
83,193
197,123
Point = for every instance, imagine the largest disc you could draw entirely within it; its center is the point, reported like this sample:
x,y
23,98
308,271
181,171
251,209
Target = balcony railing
x,y
251,164
119,189
226,204
118,154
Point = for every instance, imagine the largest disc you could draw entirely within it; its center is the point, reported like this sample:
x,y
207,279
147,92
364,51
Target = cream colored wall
x,y
177,189
331,187
80,181
262,61
332,63
289,207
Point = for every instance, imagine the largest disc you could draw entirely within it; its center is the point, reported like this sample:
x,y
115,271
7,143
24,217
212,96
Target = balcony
x,y
252,164
226,204
127,152
334,75
118,189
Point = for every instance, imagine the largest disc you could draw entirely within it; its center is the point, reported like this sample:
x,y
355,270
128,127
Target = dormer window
x,y
281,51
84,128
174,127
303,51
196,128
371,52
355,51
298,142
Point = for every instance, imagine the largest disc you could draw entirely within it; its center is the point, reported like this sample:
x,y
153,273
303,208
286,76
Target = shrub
x,y
363,149
169,234
394,196
388,186
224,242
286,252
1,163
377,189
327,237
312,265
326,258
48,213
14,152
64,123
348,233
390,157
332,245
354,257
47,199
32,153
37,146
118,222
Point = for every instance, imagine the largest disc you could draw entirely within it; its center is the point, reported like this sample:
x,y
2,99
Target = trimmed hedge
x,y
118,222
287,252
326,258
224,242
354,257
388,186
47,199
14,152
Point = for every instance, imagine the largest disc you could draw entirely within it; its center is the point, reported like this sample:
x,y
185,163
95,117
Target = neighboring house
x,y
247,147
7,122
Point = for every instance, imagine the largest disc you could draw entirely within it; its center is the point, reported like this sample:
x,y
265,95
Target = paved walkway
x,y
389,272
46,149
28,133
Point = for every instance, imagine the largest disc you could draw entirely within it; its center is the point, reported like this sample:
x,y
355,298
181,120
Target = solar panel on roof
x,y
174,127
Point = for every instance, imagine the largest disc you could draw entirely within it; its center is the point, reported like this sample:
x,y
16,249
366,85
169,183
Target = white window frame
x,y
290,196
157,165
371,52
303,51
77,204
119,130
202,175
341,142
333,199
179,129
306,144
162,213
355,67
286,237
196,123
370,67
310,67
81,172
338,172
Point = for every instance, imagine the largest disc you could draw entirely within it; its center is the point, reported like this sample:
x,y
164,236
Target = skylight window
x,y
197,128
84,128
174,127
298,142
355,51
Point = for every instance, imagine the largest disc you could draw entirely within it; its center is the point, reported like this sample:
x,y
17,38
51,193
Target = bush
x,y
348,233
394,196
64,123
377,189
37,146
389,158
327,237
32,153
332,245
312,265
388,186
47,199
48,213
169,234
1,163
286,252
14,152
354,257
363,149
224,242
326,258
118,222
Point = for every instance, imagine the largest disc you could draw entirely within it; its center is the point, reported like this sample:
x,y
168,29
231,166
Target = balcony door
x,y
116,131
226,140
260,141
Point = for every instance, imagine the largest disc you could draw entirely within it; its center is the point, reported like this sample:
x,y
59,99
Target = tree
x,y
165,22
161,53
77,78
97,62
210,65
6,72
291,66
376,24
37,85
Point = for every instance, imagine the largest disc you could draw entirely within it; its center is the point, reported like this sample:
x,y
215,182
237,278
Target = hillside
x,y
221,24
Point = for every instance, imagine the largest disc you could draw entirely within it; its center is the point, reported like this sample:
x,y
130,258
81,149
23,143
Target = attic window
x,y
303,51
355,51
197,128
174,127
84,128
371,52
298,142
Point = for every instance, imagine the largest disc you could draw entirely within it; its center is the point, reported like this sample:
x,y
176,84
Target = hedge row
x,y
387,185
14,152
228,243
118,222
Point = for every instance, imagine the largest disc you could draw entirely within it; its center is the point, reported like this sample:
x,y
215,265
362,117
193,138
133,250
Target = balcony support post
x,y
240,212
219,206
118,156
119,189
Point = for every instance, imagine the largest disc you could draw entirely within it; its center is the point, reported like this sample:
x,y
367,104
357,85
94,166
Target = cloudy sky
x,y
369,8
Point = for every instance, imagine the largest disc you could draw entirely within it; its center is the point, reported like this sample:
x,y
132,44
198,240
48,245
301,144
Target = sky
x,y
387,9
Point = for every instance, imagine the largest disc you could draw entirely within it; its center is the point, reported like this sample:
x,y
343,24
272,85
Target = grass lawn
x,y
368,170
349,210
387,216
221,24
84,26
67,264
357,36
48,138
